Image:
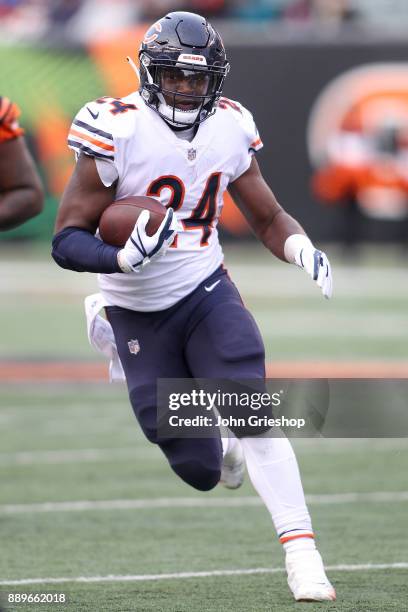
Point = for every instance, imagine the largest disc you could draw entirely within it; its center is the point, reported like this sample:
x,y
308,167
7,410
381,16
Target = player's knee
x,y
195,474
197,462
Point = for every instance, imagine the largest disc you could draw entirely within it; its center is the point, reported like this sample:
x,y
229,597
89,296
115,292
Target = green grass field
x,y
90,509
67,445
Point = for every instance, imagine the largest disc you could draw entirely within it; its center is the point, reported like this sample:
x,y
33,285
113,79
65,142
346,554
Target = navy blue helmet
x,y
182,47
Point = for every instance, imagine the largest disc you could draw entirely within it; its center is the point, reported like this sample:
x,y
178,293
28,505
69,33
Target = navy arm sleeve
x,y
76,249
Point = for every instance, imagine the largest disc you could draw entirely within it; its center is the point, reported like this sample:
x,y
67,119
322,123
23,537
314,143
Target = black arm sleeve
x,y
76,249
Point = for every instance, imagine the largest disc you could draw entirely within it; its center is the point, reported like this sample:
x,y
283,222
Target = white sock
x,y
274,472
228,444
298,541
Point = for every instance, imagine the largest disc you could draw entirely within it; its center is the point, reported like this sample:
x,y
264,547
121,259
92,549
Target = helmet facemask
x,y
183,93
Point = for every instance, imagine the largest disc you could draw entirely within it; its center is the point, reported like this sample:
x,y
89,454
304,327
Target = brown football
x,y
119,218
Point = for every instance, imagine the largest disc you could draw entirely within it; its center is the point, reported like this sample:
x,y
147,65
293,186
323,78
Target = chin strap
x,y
167,112
174,116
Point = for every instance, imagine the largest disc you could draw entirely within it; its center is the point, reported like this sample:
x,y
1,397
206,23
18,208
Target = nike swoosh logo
x,y
94,115
211,287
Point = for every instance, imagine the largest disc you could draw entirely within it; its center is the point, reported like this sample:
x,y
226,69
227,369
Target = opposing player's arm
x,y
279,232
21,193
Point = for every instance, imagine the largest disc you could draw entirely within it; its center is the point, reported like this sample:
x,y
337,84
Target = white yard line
x,y
193,502
70,456
208,574
85,455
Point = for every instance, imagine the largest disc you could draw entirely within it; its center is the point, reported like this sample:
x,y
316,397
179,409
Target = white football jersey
x,y
148,158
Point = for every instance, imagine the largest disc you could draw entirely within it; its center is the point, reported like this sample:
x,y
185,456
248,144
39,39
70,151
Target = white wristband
x,y
294,244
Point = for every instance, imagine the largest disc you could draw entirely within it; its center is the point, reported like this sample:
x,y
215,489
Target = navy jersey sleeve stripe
x,y
92,129
80,147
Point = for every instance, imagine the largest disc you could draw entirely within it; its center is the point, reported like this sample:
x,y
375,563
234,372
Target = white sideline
x,y
193,502
180,575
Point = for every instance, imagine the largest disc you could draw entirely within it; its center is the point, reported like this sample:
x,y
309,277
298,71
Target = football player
x,y
179,315
21,194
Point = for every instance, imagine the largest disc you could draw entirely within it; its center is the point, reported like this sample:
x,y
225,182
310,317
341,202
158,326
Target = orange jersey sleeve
x,y
9,114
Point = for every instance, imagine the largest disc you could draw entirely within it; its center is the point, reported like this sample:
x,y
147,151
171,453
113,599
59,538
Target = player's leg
x,y
148,348
226,343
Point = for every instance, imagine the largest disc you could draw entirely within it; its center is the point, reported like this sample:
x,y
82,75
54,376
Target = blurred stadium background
x,y
327,81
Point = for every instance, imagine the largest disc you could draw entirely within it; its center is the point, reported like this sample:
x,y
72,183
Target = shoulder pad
x,y
91,133
245,121
98,122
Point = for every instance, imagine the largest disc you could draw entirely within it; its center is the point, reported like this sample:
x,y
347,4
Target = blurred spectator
x,y
242,9
383,12
155,9
209,8
24,20
257,10
323,11
63,21
63,10
8,6
81,20
32,18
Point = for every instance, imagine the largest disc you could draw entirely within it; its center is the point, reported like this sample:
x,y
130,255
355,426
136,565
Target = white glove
x,y
300,251
140,248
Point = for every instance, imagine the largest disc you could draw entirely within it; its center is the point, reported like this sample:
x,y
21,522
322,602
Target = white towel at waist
x,y
100,335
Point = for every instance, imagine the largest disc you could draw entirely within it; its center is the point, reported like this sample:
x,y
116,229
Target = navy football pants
x,y
208,334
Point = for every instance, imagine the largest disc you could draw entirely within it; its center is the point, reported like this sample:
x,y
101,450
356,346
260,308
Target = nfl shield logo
x,y
191,154
134,346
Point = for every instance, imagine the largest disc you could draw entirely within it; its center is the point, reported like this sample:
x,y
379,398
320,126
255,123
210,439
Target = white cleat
x,y
233,467
306,576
